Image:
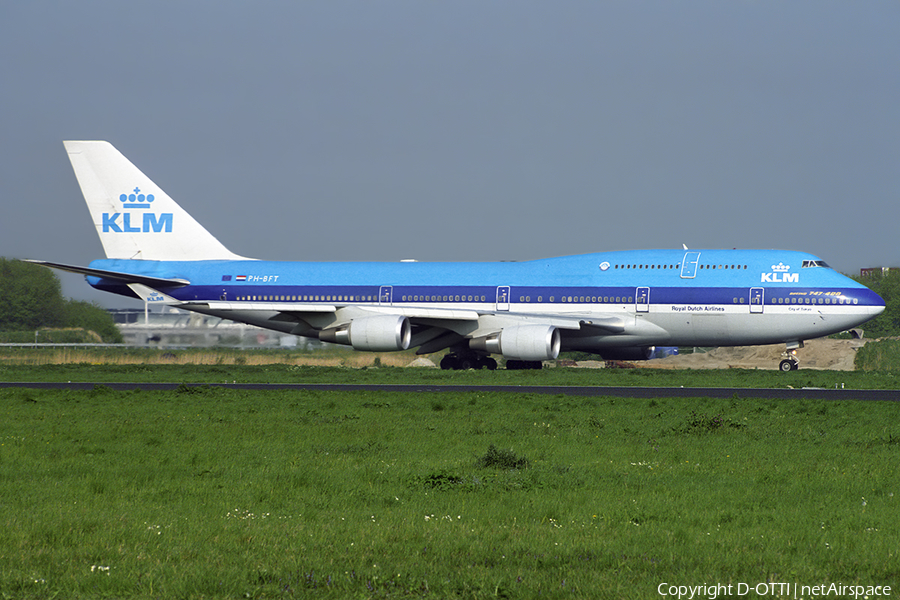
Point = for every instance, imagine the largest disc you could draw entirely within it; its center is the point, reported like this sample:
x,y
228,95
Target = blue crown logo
x,y
136,199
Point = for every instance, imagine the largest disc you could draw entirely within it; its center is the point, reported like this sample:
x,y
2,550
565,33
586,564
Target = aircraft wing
x,y
428,329
433,329
450,319
147,280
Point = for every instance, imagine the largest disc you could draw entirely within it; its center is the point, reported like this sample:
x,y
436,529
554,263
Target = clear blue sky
x,y
462,130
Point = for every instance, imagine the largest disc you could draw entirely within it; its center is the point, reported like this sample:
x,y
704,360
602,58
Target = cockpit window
x,y
814,263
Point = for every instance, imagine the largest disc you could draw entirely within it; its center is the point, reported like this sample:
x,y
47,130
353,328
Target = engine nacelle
x,y
384,333
524,342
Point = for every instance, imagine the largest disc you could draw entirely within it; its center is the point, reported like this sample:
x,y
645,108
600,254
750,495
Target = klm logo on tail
x,y
148,222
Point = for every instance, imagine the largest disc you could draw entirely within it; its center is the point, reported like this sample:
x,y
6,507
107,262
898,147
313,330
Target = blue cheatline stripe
x,y
520,295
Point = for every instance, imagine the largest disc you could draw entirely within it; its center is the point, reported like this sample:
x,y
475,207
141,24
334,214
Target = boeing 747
x,y
618,305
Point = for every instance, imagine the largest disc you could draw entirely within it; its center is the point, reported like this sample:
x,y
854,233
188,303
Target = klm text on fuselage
x,y
780,278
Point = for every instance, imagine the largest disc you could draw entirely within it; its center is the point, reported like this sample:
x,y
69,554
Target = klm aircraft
x,y
615,304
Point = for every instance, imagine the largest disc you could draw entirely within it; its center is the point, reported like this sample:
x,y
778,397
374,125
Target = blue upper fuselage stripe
x,y
720,277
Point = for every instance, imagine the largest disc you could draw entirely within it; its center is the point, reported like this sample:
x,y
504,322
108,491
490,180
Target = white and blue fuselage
x,y
658,297
616,304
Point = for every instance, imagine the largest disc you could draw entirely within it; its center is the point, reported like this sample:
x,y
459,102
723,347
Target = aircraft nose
x,y
875,303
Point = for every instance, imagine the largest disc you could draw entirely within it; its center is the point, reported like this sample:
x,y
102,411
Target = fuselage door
x,y
385,294
689,265
642,299
503,297
757,299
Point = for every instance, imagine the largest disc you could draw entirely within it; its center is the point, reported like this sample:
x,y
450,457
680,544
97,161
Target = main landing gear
x,y
790,362
462,361
462,358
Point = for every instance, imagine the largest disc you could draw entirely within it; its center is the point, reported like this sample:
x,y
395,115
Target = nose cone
x,y
870,304
874,300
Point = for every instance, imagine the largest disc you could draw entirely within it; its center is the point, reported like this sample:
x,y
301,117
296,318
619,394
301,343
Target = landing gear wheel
x,y
789,365
468,360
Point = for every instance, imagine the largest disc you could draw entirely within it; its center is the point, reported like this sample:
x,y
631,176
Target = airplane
x,y
619,305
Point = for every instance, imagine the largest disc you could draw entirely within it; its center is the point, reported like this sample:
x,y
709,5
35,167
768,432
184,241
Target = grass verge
x,y
215,493
207,366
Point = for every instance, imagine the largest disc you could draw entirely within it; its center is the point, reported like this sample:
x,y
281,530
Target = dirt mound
x,y
835,355
423,362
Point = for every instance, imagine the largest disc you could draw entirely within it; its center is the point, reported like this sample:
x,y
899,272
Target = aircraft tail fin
x,y
135,219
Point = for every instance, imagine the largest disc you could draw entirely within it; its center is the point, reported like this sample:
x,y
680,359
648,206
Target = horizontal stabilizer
x,y
147,280
151,296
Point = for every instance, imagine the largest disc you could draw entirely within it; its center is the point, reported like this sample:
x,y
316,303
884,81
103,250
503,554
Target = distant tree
x,y
92,317
31,298
886,285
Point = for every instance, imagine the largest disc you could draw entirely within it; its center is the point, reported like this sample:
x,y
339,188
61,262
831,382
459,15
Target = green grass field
x,y
214,493
283,373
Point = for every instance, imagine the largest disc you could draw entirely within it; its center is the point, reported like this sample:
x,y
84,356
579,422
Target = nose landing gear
x,y
790,362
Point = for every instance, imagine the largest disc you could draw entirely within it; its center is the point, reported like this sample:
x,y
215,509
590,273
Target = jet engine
x,y
383,333
524,342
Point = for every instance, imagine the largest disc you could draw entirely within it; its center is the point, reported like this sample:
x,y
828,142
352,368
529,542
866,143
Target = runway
x,y
584,391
